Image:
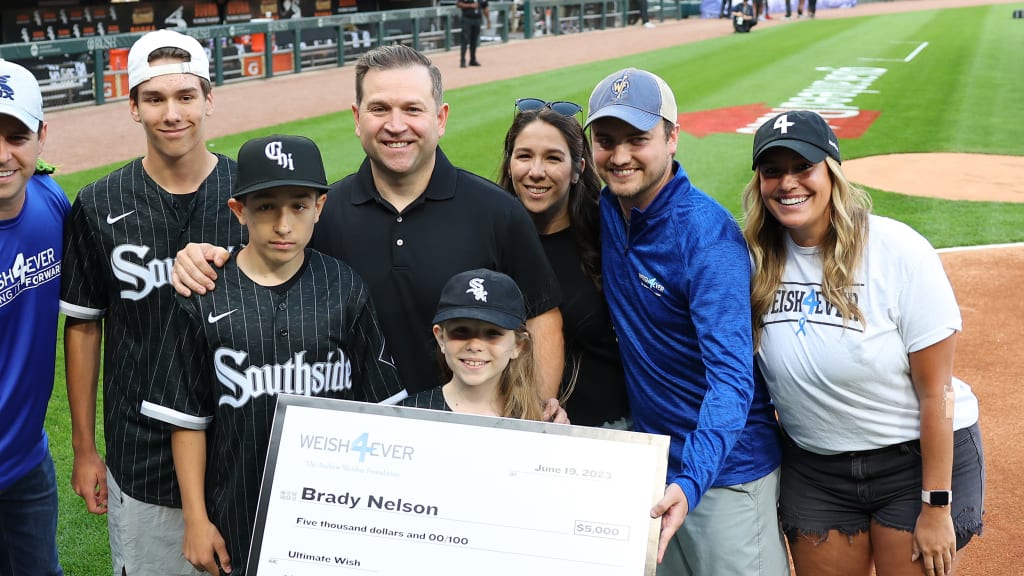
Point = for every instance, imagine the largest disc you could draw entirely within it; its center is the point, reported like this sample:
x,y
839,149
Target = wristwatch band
x,y
938,498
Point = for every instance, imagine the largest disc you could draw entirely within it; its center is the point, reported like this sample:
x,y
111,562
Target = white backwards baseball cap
x,y
636,97
19,95
139,69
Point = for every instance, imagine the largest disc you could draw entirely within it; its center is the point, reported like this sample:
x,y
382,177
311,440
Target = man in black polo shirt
x,y
473,13
408,221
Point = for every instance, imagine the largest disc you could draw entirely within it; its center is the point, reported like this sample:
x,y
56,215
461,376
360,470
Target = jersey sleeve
x,y
523,259
372,363
186,398
81,290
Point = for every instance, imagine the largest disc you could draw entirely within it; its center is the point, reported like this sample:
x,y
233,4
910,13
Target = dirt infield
x,y
951,176
988,287
987,281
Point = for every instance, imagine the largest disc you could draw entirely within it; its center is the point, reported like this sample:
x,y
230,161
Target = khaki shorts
x,y
145,539
734,530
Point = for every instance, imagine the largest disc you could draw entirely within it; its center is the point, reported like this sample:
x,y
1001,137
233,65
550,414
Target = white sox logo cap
x,y
20,97
279,160
139,69
485,295
802,131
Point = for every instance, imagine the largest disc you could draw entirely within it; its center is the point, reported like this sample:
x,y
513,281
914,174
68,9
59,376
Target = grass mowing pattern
x,y
960,94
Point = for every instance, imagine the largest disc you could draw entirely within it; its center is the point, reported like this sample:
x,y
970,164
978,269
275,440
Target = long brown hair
x,y
841,252
584,195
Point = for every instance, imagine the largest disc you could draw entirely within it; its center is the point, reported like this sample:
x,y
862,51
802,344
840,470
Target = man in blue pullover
x,y
677,279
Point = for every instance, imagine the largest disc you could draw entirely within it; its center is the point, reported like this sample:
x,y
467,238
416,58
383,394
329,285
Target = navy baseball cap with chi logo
x,y
802,131
279,160
20,97
484,295
636,97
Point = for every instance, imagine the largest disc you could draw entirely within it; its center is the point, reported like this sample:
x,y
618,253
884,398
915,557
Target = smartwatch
x,y
938,498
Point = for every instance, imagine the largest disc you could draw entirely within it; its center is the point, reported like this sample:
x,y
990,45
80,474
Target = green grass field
x,y
960,94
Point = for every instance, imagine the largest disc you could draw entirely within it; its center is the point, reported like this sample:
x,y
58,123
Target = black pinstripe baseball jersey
x,y
432,399
233,350
119,246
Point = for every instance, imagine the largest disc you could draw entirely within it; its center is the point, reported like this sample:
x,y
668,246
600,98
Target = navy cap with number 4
x,y
802,131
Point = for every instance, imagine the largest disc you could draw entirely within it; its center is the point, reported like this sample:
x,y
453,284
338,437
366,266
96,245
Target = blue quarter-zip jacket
x,y
677,279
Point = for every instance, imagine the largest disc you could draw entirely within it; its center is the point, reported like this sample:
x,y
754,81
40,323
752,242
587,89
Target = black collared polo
x,y
459,223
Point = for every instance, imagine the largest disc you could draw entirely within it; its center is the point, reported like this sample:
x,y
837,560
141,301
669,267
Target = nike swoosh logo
x,y
212,319
113,219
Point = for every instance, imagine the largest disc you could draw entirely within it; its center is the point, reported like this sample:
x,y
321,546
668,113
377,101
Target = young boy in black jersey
x,y
284,319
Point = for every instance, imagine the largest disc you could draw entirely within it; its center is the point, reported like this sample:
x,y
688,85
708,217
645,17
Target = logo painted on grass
x,y
832,97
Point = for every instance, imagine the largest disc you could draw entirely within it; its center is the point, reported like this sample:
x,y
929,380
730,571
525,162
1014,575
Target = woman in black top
x,y
547,166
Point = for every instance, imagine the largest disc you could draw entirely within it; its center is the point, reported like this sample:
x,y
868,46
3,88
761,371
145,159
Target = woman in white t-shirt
x,y
855,326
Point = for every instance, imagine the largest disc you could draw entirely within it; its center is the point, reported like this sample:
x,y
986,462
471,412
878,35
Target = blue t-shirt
x,y
30,260
677,280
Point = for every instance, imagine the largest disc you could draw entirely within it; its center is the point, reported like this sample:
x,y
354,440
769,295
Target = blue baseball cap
x,y
636,97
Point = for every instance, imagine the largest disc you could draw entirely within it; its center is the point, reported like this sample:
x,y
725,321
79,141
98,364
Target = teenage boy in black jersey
x,y
282,319
119,243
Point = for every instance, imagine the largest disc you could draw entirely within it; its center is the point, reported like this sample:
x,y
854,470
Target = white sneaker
x,y
649,25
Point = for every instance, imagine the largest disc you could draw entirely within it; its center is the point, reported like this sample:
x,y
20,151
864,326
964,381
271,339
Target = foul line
x,y
982,247
909,57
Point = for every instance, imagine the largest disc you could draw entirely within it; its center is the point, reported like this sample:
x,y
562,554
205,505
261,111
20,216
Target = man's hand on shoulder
x,y
192,271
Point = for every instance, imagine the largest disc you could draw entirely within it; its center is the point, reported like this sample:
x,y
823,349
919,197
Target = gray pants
x,y
734,530
145,538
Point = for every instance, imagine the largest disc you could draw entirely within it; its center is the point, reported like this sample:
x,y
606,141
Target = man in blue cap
x,y
677,280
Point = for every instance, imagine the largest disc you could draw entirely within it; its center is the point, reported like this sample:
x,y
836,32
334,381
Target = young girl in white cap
x,y
480,329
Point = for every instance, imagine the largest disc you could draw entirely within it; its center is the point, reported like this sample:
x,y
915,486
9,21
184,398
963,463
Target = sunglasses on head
x,y
562,107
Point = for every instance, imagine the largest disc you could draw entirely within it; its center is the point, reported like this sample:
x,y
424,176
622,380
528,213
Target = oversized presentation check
x,y
354,488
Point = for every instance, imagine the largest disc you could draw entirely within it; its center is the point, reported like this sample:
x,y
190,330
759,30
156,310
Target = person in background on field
x,y
645,19
474,13
743,17
32,212
480,327
397,219
548,165
676,276
119,244
855,327
279,309
761,10
799,9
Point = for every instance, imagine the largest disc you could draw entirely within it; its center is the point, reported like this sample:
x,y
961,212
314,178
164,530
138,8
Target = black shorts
x,y
845,492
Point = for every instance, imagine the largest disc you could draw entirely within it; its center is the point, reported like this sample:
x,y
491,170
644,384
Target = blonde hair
x,y
518,394
841,251
518,386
